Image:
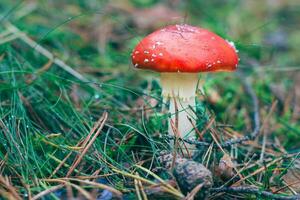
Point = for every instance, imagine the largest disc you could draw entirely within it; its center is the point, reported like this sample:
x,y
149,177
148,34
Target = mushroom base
x,y
180,89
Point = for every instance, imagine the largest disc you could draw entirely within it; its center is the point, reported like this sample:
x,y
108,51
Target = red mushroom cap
x,y
185,48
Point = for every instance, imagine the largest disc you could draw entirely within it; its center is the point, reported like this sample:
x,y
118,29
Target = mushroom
x,y
180,53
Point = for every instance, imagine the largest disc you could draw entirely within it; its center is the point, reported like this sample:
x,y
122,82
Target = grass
x,y
47,114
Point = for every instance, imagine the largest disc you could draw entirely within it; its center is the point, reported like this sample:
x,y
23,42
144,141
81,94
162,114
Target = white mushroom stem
x,y
180,88
185,127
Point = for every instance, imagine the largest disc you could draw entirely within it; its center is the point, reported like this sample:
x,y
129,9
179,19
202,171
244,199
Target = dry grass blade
x,y
85,193
195,128
157,177
207,127
144,195
255,191
4,33
46,67
193,193
100,123
258,171
99,185
97,125
8,39
239,172
208,154
2,163
218,144
272,109
45,192
2,56
177,144
79,146
61,163
164,188
8,189
137,189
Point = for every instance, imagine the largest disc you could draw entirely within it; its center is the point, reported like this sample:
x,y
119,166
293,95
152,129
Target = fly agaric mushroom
x,y
179,53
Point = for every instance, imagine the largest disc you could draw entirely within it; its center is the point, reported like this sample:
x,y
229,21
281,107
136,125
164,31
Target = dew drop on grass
x,y
97,96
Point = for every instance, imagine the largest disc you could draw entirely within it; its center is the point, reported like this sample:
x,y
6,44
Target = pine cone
x,y
188,174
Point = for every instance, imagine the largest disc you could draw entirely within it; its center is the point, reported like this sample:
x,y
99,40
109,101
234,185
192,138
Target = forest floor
x,y
78,121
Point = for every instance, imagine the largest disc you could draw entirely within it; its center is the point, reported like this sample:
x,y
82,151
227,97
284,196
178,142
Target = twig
x,y
252,190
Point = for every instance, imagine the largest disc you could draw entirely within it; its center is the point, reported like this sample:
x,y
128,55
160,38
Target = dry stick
x,y
252,190
45,192
88,145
